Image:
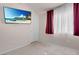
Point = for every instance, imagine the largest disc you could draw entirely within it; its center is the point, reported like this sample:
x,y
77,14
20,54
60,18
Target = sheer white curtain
x,y
63,19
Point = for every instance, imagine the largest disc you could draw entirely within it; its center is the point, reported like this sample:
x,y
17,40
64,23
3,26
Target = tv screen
x,y
13,15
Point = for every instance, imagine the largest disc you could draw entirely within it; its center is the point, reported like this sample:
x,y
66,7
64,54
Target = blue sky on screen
x,y
11,12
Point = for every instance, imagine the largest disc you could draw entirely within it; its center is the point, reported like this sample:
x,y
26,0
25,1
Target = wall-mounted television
x,y
12,15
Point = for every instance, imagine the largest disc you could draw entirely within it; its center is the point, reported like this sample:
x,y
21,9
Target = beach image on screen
x,y
13,15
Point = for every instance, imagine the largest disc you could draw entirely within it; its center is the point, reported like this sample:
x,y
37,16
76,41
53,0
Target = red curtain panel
x,y
49,24
76,18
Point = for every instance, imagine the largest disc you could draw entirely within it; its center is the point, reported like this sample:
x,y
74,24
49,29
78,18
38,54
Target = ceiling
x,y
43,6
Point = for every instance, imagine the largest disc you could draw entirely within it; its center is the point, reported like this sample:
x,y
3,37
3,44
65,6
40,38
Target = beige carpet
x,y
38,48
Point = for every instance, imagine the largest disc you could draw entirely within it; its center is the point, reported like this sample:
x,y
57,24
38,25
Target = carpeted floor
x,y
38,48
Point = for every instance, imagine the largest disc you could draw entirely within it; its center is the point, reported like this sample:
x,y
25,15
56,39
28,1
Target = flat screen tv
x,y
12,15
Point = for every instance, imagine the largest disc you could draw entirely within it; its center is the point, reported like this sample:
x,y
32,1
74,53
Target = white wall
x,y
13,36
42,22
